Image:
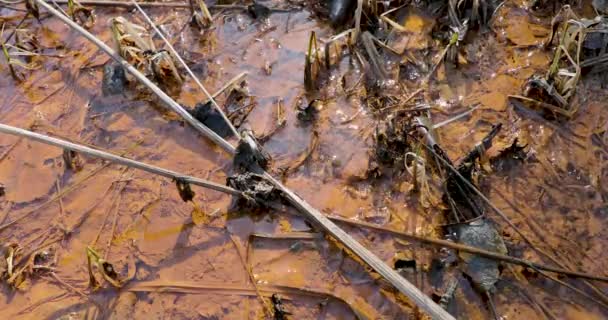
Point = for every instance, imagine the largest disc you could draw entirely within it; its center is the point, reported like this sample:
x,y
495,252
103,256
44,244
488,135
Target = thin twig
x,y
245,262
360,308
115,221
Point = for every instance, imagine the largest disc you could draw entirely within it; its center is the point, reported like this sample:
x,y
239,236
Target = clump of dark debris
x,y
211,117
250,155
256,189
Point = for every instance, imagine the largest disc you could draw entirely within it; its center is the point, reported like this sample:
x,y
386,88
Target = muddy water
x,y
556,198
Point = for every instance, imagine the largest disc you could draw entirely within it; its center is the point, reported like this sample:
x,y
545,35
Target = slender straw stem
x,y
116,159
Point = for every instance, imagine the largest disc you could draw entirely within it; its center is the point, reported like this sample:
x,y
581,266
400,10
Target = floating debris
x,y
184,190
258,11
201,17
72,160
250,155
278,308
211,118
465,204
256,189
448,295
310,112
114,79
135,45
105,268
80,14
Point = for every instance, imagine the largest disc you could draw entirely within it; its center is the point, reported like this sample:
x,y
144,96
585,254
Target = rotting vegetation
x,y
485,177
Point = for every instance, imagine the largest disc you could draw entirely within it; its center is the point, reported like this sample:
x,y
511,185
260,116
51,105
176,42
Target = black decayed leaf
x,y
185,192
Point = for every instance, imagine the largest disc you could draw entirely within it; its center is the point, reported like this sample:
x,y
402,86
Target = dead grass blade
x,y
359,307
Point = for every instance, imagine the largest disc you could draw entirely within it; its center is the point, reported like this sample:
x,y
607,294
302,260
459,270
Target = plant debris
x,y
258,11
250,155
278,308
256,189
310,112
135,45
72,160
114,79
184,190
201,17
211,118
106,269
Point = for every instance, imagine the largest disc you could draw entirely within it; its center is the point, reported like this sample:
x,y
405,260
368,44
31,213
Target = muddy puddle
x,y
197,259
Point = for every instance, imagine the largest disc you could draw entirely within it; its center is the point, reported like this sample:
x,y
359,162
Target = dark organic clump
x,y
211,117
184,190
310,112
391,141
72,160
340,11
460,197
256,189
114,79
278,308
258,11
250,155
509,157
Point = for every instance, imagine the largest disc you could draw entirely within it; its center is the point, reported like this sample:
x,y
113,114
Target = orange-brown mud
x,y
556,197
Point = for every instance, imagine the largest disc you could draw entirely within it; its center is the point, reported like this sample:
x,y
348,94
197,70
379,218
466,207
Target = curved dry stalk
x,y
183,63
172,104
360,308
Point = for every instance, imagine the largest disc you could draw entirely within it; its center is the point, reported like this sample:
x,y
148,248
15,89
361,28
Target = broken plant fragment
x,y
106,269
340,11
80,14
258,11
278,308
72,160
250,155
32,8
211,118
256,189
184,189
201,17
310,111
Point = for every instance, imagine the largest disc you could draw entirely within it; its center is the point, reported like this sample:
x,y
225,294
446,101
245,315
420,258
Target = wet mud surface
x,y
557,196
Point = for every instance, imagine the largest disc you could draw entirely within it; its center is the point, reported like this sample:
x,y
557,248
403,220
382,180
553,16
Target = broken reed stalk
x,y
139,76
227,85
179,58
470,249
116,159
403,285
